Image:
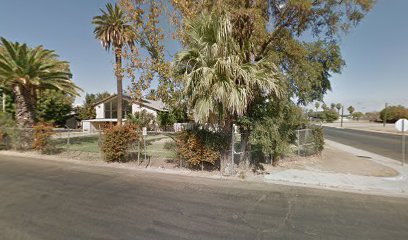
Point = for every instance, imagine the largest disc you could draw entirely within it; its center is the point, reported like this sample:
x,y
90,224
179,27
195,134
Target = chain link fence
x,y
305,142
156,148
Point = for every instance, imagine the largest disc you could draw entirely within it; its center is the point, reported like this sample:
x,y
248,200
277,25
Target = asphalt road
x,y
388,145
41,199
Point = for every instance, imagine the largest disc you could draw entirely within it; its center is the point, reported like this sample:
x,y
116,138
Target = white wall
x,y
100,110
86,126
138,108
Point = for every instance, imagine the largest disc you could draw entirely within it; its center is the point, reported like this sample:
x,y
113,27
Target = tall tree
x,y
338,106
276,28
54,106
27,70
351,110
219,82
87,110
113,30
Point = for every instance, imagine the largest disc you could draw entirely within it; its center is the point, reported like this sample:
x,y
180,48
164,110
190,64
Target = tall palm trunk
x,y
118,73
226,160
25,115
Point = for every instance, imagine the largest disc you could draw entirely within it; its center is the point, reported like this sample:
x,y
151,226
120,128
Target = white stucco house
x,y
106,111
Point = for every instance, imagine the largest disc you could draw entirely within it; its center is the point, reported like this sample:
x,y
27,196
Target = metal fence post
x,y
298,141
232,147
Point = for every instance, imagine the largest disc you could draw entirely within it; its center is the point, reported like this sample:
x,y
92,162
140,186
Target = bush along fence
x,y
196,148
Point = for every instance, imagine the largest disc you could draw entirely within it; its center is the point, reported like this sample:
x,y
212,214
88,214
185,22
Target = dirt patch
x,y
336,161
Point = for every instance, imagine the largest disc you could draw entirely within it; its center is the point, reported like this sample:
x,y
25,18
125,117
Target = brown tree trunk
x,y
25,115
118,73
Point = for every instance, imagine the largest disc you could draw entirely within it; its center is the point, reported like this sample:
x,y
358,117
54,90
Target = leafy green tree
x,y
220,84
87,110
329,115
357,115
277,27
25,70
113,30
142,119
333,106
351,110
274,127
174,115
54,106
394,113
325,107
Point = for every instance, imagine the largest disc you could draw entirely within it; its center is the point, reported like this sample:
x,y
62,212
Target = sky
x,y
376,51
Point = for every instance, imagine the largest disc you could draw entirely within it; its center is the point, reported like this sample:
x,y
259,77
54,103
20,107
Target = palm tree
x,y
338,106
26,71
351,110
219,82
112,30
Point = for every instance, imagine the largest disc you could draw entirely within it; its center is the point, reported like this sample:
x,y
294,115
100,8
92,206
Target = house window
x,y
111,109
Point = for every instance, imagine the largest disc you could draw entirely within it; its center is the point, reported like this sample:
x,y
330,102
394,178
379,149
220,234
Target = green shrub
x,y
117,140
200,146
357,115
329,115
318,139
42,136
7,130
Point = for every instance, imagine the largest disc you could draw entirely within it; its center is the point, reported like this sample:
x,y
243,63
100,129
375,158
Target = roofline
x,y
140,102
109,98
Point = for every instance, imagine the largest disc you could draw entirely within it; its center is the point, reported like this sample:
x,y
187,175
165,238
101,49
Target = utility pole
x,y
342,113
385,114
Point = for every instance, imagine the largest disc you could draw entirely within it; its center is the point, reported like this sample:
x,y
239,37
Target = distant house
x,y
106,111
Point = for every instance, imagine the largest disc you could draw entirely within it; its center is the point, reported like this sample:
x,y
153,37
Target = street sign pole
x,y
144,132
402,126
403,143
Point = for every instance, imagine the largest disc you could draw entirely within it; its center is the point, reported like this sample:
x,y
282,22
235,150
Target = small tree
x,y
142,118
357,115
351,110
332,106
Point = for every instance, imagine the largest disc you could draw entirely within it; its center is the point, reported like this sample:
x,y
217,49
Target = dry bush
x,y
199,146
42,136
117,140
